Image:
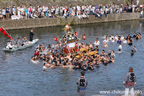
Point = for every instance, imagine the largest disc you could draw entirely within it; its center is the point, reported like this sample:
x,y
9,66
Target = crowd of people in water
x,y
53,55
81,11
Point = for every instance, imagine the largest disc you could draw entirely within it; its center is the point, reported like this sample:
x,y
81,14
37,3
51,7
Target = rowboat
x,y
15,48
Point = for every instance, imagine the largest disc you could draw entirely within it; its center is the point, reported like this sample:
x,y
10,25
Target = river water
x,y
19,77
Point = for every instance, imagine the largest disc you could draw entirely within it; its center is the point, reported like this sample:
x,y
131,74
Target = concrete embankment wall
x,y
45,22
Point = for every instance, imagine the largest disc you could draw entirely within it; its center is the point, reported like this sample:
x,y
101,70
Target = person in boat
x,y
9,45
129,82
24,41
31,35
19,42
81,85
13,42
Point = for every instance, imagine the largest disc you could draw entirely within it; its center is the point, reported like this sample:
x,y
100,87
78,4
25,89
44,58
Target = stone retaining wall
x,y
45,22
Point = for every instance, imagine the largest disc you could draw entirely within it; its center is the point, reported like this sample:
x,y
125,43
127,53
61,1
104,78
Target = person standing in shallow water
x,y
82,84
132,52
31,35
129,82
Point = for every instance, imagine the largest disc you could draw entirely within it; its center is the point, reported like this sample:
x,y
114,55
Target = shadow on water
x,y
22,78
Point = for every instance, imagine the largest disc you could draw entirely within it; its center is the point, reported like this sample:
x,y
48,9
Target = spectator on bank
x,y
30,11
26,13
53,11
23,10
141,14
50,15
7,12
137,2
13,10
4,13
19,11
1,16
83,11
57,11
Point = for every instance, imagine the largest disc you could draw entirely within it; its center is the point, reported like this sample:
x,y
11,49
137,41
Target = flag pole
x,y
7,33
